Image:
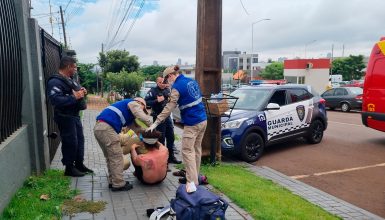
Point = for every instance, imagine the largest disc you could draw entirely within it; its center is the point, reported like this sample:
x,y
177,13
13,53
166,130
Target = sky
x,y
165,30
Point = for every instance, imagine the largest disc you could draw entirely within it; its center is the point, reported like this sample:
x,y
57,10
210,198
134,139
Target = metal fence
x,y
10,71
51,54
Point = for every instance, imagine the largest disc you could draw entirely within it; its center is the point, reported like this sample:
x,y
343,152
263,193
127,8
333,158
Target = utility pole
x,y
50,17
101,79
64,29
30,7
331,66
208,67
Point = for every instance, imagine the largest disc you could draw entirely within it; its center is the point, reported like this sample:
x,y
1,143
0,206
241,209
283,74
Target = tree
x,y
126,83
350,67
115,60
151,72
87,77
273,71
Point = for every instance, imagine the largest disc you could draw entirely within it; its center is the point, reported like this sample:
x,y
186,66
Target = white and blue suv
x,y
268,114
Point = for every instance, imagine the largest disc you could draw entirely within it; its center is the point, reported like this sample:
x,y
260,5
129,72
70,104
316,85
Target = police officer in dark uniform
x,y
67,97
157,98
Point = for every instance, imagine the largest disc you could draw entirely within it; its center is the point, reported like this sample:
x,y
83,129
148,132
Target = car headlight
x,y
234,124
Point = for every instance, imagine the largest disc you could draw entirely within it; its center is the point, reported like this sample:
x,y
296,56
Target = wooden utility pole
x,y
101,79
64,29
209,65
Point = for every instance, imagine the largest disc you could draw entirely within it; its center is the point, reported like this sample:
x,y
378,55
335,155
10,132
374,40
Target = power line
x,y
121,9
244,7
135,19
67,5
124,19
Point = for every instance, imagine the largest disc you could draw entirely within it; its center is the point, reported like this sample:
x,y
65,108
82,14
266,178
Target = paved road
x,y
349,163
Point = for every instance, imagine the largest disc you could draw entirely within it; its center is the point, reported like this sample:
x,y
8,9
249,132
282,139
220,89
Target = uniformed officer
x,y
107,128
67,97
187,94
157,97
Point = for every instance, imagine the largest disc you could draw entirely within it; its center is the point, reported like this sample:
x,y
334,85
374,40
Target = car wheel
x,y
252,147
345,107
316,132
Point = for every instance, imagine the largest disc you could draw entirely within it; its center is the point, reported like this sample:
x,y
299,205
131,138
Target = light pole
x,y
308,44
252,44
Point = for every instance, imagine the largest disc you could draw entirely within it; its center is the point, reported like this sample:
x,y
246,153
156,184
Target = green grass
x,y
261,198
26,203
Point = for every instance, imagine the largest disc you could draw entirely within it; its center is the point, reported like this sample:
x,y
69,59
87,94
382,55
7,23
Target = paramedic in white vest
x,y
186,93
109,124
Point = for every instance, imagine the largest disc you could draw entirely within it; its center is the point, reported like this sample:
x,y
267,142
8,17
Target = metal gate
x,y
51,54
10,71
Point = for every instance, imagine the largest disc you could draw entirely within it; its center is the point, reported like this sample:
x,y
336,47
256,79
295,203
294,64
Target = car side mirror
x,y
272,106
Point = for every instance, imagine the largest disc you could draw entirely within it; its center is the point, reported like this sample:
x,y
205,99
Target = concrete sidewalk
x,y
129,205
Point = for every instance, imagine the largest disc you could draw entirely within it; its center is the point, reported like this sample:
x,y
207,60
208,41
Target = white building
x,y
314,72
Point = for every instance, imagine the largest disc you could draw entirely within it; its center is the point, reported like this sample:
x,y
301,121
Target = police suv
x,y
267,114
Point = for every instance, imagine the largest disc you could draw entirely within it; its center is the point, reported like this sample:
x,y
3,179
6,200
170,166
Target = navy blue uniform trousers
x,y
72,138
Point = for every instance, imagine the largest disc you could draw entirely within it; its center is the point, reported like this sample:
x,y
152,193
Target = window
x,y
255,60
328,93
279,97
291,79
340,92
297,95
301,80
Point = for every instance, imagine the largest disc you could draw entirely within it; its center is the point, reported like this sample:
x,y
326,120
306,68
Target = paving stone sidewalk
x,y
128,205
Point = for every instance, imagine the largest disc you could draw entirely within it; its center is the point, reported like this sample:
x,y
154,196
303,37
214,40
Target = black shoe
x,y
72,171
126,187
182,180
174,160
82,168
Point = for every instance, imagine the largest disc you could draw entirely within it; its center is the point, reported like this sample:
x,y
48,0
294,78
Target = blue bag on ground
x,y
201,204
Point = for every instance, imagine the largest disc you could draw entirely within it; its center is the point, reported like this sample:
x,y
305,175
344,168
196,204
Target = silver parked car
x,y
346,98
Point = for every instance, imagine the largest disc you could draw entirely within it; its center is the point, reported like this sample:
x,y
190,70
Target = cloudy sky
x,y
165,30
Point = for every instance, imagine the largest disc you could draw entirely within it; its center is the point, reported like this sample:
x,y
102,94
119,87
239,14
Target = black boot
x,y
82,168
172,159
72,171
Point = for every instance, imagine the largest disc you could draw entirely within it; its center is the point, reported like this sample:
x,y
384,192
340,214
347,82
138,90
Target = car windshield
x,y
356,90
149,84
251,99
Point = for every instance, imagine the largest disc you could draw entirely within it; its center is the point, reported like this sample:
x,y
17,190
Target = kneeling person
x,y
150,161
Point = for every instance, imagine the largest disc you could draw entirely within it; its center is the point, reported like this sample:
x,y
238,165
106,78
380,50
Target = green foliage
x,y
350,67
26,203
126,83
116,60
260,197
273,71
152,72
87,77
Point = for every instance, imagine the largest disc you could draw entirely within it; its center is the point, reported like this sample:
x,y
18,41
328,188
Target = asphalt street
x,y
349,163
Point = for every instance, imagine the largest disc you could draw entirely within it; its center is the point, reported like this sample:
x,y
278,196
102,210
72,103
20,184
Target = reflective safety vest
x,y
117,115
190,100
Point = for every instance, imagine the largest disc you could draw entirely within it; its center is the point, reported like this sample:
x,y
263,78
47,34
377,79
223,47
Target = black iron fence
x,y
10,71
51,54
